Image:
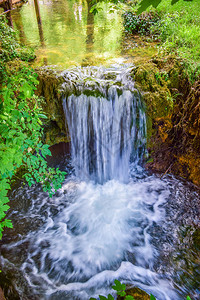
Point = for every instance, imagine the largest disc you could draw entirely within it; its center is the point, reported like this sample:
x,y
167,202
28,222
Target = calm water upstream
x,y
72,36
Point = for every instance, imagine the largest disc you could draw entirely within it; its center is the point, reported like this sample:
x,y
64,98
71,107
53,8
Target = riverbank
x,y
169,82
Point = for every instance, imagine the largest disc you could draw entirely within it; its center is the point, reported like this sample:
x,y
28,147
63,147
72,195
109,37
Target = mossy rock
x,y
196,239
137,294
50,81
172,70
153,86
144,75
189,167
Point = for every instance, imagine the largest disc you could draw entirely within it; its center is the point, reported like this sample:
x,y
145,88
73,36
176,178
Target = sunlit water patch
x,y
71,34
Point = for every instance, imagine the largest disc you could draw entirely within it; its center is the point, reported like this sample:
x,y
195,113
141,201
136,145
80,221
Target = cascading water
x,y
111,220
107,129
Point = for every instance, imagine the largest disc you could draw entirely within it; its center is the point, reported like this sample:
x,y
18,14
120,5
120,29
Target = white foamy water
x,y
100,236
108,129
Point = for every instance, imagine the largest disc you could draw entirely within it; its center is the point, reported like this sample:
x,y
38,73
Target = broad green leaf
x,y
7,223
129,297
174,1
27,90
121,293
144,4
117,285
123,287
102,297
5,207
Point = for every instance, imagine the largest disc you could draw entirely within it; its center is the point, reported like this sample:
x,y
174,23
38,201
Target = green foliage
x,y
144,4
179,33
120,288
141,24
8,43
20,128
177,30
9,47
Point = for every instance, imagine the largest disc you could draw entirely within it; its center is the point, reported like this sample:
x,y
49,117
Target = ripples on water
x,y
76,244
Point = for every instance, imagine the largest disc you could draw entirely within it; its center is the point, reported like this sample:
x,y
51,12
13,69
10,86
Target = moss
x,y
50,82
196,239
173,114
154,88
53,134
189,167
173,110
137,293
152,81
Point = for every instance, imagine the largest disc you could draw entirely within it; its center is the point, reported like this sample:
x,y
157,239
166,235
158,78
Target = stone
x,y
137,293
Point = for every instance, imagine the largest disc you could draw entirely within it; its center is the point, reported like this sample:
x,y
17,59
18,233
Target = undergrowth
x,y
177,28
141,24
21,118
180,32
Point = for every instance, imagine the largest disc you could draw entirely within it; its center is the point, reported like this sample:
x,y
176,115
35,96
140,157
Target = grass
x,y
180,31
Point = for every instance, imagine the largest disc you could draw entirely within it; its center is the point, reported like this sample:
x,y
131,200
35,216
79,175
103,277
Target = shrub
x,y
20,124
141,24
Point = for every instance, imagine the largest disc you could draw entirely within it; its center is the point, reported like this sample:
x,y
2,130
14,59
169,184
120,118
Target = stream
x,y
112,219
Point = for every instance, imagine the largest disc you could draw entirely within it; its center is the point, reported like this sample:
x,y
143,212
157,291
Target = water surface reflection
x,y
72,35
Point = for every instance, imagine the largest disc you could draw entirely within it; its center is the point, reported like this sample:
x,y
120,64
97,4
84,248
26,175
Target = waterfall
x,y
106,123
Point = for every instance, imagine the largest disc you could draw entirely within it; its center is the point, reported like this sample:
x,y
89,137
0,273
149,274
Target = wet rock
x,y
137,294
196,239
9,282
50,81
173,114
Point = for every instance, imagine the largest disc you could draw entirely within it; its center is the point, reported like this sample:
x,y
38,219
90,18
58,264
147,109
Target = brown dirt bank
x,y
173,109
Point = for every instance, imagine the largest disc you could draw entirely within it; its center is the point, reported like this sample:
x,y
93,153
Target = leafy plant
x,y
21,146
141,24
119,288
144,4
